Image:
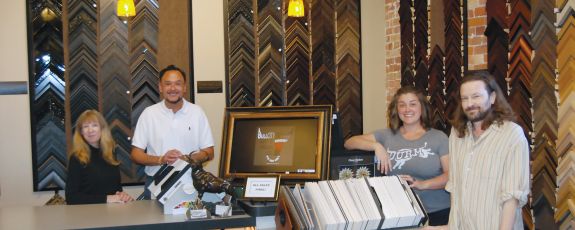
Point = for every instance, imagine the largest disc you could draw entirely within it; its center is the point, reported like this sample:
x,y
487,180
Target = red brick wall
x,y
477,42
392,46
476,49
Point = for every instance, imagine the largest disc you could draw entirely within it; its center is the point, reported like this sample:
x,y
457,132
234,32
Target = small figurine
x,y
206,181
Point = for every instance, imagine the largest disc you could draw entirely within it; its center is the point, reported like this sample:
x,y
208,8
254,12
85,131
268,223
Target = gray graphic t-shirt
x,y
420,159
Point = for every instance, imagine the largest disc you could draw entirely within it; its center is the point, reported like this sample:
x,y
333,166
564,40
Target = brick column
x,y
392,46
477,42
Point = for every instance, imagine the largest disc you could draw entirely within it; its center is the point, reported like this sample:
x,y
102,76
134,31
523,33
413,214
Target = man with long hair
x,y
489,159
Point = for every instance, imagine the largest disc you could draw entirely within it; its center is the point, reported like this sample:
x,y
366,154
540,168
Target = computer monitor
x,y
292,142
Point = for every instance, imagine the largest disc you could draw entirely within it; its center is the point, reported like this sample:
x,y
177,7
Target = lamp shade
x,y
126,8
48,14
296,8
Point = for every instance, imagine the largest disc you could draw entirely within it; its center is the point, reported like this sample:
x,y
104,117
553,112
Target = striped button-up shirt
x,y
485,172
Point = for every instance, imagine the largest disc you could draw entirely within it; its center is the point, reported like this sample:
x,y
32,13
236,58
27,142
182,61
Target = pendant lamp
x,y
126,9
296,8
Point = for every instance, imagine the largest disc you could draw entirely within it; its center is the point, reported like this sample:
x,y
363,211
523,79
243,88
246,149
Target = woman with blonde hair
x,y
93,172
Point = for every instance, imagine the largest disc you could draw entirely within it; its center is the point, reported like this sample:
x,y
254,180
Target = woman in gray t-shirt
x,y
413,150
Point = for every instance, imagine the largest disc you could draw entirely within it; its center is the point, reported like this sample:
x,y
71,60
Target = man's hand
x,y
198,157
171,156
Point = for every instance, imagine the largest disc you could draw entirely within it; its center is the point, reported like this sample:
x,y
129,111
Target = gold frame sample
x,y
284,115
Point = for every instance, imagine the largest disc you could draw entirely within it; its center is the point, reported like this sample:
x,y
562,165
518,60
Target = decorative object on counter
x,y
182,186
345,173
56,199
205,181
362,172
173,187
202,209
221,208
197,210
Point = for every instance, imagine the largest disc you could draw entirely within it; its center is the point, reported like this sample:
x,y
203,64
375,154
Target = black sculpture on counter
x,y
206,181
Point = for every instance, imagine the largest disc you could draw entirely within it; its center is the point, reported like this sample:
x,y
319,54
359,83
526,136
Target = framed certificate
x,y
264,188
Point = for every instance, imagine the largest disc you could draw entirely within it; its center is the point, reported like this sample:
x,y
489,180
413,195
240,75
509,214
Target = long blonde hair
x,y
80,148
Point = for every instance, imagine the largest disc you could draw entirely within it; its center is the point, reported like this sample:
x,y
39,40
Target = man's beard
x,y
479,116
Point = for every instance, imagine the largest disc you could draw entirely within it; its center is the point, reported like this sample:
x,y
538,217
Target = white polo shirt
x,y
159,130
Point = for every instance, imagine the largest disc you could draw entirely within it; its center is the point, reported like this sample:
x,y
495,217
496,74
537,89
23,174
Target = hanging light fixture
x,y
47,14
126,9
296,8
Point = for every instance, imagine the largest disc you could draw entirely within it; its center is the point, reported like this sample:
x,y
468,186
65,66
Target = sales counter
x,y
144,214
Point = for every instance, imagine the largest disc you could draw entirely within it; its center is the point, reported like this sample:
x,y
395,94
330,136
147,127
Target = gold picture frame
x,y
304,133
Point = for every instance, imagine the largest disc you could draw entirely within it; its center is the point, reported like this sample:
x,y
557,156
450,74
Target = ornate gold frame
x,y
322,112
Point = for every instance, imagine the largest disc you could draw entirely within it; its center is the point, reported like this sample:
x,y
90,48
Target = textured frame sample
x,y
111,66
47,94
564,212
275,60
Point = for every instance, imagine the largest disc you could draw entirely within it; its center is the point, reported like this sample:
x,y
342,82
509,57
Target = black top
x,y
91,184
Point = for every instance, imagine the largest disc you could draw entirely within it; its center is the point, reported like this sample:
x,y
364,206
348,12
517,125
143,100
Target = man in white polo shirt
x,y
171,128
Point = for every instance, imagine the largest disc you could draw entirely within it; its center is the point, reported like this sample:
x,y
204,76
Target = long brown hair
x,y
395,122
80,148
500,110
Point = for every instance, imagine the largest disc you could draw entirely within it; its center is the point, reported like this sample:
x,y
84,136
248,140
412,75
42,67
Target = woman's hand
x,y
384,162
113,199
414,183
119,197
367,142
125,197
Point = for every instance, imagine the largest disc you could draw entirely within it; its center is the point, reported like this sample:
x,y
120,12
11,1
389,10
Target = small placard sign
x,y
223,210
197,213
262,188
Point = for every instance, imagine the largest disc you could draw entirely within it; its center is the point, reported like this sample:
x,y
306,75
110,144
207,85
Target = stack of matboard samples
x,y
368,203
